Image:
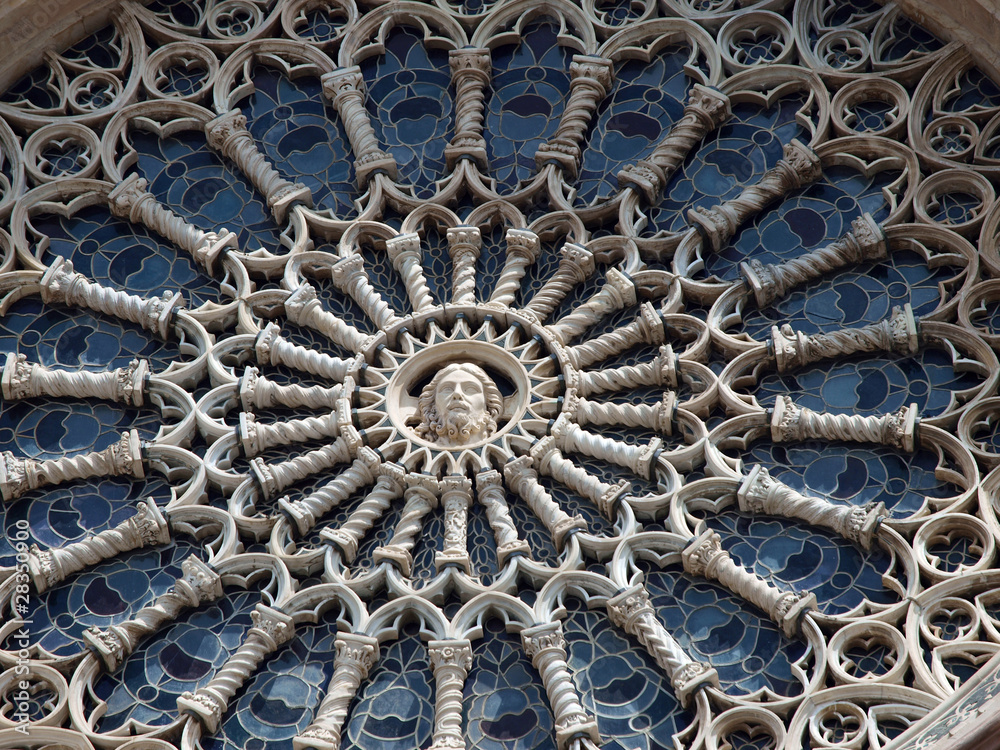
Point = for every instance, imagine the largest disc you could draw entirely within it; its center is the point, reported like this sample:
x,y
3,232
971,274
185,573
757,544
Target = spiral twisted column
x,y
493,496
356,654
762,493
304,308
464,245
799,166
523,248
345,89
198,585
631,611
898,333
271,629
572,438
60,284
420,498
23,379
404,253
704,556
456,497
259,392
228,135
255,438
523,479
20,475
349,277
146,528
388,486
590,81
273,478
451,661
662,370
648,328
271,348
658,417
865,242
791,424
546,647
618,291
575,266
705,110
130,200
306,511
551,461
471,71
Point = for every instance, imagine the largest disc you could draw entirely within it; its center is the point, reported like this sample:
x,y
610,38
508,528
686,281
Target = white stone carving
x,y
345,89
792,423
21,379
451,662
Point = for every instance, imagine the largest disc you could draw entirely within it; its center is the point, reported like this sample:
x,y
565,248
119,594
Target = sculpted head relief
x,y
459,406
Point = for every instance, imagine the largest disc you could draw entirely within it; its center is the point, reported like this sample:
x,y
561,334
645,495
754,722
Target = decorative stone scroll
x,y
705,557
451,661
49,567
762,493
791,424
356,654
21,379
768,282
198,585
345,89
471,71
20,475
897,334
271,629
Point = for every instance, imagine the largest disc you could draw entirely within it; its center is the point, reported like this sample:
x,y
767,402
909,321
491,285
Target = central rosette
x,y
460,406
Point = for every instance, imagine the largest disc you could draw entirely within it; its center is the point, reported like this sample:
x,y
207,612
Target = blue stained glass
x,y
437,265
972,91
530,81
409,99
482,545
183,656
506,706
291,125
394,709
748,651
620,684
541,270
796,557
858,474
386,280
200,186
735,156
491,260
646,100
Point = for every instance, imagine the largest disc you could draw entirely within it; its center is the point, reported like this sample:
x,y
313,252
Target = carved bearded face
x,y
459,406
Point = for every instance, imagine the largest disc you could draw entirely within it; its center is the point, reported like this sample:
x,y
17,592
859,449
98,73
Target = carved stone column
x,y
552,462
896,334
647,328
661,371
590,81
345,89
60,284
492,495
146,528
404,252
304,308
632,612
471,71
420,498
256,437
523,480
198,585
762,493
130,200
456,497
523,248
349,277
865,242
705,110
793,424
271,629
273,478
464,245
547,649
705,557
658,417
388,486
799,166
355,656
572,438
306,511
21,379
20,475
575,266
259,392
618,291
271,348
228,135
451,661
